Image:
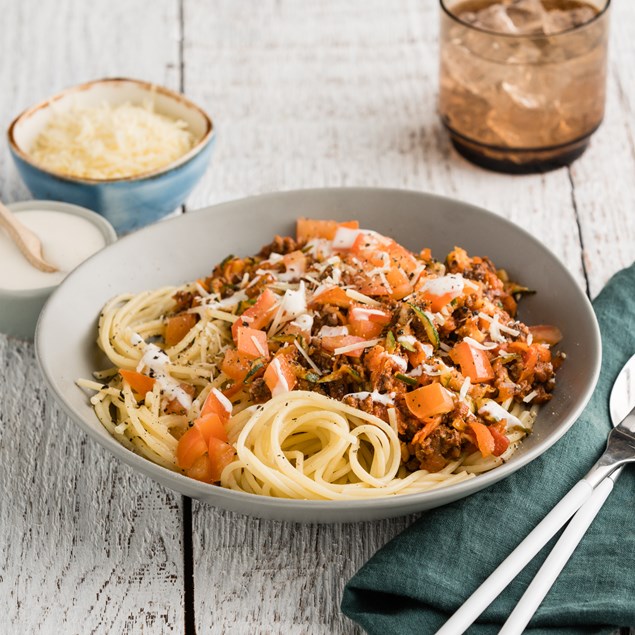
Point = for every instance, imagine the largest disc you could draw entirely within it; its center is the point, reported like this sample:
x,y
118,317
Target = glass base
x,y
519,161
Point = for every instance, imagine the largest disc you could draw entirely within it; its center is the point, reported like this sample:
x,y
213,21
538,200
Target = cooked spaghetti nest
x,y
307,446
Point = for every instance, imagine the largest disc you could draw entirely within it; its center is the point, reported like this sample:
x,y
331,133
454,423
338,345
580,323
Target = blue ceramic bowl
x,y
127,203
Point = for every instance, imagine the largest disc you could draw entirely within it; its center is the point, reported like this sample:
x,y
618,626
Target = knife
x,y
619,451
621,402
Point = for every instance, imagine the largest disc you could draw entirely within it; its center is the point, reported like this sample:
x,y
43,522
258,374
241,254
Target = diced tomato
x,y
217,403
334,342
201,470
501,442
178,327
141,384
399,282
367,322
402,258
295,263
546,334
335,295
474,362
307,228
259,314
429,400
220,455
203,451
300,326
279,375
252,342
211,425
484,438
438,302
190,448
371,285
373,314
174,406
236,365
232,390
365,329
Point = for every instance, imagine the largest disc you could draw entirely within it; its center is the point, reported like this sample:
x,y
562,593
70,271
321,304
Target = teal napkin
x,y
421,577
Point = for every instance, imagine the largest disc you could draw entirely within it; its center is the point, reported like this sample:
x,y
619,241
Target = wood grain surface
x,y
303,95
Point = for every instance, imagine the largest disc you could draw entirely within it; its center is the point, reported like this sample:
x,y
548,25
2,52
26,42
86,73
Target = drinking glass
x,y
527,99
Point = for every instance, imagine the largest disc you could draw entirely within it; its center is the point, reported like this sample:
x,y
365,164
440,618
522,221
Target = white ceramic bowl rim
x,y
107,230
156,88
263,505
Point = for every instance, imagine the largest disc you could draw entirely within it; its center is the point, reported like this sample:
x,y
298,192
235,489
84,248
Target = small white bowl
x,y
20,308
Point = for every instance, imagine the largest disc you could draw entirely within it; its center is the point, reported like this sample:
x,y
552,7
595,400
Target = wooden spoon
x,y
27,242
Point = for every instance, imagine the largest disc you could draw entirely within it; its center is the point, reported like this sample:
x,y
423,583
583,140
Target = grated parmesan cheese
x,y
110,142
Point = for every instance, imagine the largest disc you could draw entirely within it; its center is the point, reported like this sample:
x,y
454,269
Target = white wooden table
x,y
339,92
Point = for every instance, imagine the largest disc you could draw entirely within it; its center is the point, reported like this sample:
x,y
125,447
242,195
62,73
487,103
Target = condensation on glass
x,y
522,82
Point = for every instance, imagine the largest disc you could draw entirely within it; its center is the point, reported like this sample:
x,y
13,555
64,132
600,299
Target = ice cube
x,y
558,20
493,18
527,17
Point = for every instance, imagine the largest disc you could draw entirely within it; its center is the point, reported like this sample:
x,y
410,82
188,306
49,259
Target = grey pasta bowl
x,y
185,248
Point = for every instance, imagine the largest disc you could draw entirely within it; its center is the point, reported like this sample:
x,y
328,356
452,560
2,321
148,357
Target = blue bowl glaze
x,y
127,203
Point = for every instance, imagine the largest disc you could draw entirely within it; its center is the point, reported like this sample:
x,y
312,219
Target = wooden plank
x,y
87,545
309,95
603,177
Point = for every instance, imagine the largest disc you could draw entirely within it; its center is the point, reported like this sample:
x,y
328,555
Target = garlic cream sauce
x,y
67,240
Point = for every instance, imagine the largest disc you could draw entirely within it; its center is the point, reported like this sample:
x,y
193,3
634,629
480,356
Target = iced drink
x,y
522,82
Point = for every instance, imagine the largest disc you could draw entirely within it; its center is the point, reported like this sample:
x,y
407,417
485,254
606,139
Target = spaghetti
x,y
336,366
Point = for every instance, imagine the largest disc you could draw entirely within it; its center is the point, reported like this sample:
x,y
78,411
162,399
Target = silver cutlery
x,y
592,490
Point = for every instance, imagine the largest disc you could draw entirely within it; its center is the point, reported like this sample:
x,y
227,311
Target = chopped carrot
x,y
211,425
307,228
178,327
484,439
474,362
252,342
429,400
259,314
279,375
430,425
220,455
141,384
